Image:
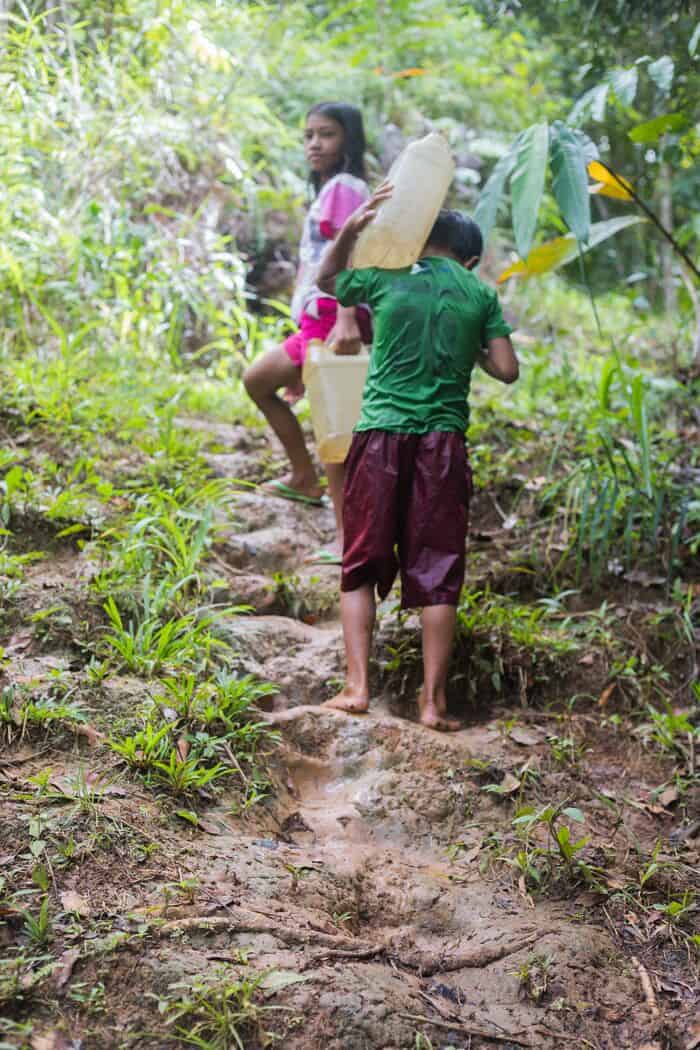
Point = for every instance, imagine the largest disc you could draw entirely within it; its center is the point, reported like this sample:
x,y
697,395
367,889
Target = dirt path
x,y
379,886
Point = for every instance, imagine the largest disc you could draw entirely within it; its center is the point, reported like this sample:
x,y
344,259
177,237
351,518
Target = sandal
x,y
279,488
324,557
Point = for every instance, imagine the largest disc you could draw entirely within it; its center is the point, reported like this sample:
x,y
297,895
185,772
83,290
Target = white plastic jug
x,y
334,385
396,236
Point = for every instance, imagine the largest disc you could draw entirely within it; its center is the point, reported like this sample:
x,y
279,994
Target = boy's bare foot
x,y
433,715
348,700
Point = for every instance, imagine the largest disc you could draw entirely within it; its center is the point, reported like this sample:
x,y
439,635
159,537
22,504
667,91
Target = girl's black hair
x,y
457,234
354,143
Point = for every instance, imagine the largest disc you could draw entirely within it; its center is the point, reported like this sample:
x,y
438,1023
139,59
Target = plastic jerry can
x,y
396,236
334,386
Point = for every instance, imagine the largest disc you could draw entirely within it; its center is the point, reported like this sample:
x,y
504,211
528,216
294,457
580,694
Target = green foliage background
x,y
152,152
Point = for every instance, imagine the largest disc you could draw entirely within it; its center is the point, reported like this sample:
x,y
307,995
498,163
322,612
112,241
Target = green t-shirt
x,y
430,321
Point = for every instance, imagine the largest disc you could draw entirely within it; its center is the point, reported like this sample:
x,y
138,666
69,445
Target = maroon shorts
x,y
406,505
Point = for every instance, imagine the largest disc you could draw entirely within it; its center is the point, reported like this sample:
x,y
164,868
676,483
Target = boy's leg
x,y
369,517
432,556
438,635
357,611
262,380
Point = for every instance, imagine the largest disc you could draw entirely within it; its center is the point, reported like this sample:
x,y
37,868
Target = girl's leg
x,y
357,611
262,380
335,472
438,635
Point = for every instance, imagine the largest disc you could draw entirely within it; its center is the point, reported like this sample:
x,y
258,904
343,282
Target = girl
x,y
334,145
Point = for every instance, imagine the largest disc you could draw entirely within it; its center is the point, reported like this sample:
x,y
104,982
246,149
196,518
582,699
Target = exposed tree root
x,y
488,1031
424,963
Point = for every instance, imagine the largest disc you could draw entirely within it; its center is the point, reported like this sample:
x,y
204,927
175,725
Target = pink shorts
x,y
320,328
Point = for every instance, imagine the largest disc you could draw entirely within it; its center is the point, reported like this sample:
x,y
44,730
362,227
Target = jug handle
x,y
332,350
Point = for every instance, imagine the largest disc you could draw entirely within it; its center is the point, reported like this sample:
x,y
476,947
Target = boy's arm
x,y
337,257
499,360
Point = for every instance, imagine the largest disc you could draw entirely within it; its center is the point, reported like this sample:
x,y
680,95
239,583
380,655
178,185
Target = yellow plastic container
x,y
334,386
421,176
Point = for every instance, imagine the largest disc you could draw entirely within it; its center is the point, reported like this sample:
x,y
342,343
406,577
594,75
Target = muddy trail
x,y
383,894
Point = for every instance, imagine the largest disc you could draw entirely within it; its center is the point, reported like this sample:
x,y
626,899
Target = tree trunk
x,y
666,216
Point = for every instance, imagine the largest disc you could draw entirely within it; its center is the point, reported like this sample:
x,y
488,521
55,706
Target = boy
x,y
408,480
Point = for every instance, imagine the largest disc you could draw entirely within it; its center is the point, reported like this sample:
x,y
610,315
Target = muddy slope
x,y
379,898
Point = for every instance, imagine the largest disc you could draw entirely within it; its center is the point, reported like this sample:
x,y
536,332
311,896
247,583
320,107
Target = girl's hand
x,y
366,212
344,338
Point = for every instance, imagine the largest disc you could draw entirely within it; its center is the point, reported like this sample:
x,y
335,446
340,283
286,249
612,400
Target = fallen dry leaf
x,y
526,737
669,796
644,578
209,826
588,659
606,694
522,890
93,736
19,641
508,785
65,968
73,902
51,1041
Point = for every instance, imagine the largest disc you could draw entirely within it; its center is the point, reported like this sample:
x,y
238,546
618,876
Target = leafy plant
x,y
220,1011
144,748
678,911
151,642
38,928
184,776
569,151
559,843
670,730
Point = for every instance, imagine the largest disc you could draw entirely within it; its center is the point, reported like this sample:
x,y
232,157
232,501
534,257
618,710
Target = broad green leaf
x,y
490,197
624,84
573,813
607,375
563,838
652,130
570,180
527,184
187,815
592,103
661,72
609,185
693,42
555,253
588,146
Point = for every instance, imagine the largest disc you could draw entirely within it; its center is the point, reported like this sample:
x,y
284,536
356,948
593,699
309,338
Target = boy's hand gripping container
x,y
396,236
334,385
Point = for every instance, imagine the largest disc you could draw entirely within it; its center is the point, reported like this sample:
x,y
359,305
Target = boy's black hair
x,y
458,234
350,120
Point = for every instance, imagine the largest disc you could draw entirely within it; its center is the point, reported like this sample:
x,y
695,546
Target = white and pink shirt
x,y
338,199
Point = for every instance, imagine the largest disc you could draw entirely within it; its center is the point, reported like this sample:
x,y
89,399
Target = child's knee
x,y
254,383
